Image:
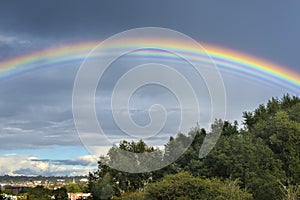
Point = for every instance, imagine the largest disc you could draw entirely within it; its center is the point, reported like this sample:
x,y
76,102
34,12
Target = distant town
x,y
17,187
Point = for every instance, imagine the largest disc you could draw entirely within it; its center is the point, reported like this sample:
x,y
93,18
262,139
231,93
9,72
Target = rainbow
x,y
224,58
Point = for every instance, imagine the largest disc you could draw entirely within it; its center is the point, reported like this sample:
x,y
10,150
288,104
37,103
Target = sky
x,y
37,130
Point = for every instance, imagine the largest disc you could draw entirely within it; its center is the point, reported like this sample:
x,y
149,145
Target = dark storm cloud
x,y
41,92
36,138
36,110
69,18
264,28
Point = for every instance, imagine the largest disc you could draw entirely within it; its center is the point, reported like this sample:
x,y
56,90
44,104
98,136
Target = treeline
x,y
18,179
260,161
43,193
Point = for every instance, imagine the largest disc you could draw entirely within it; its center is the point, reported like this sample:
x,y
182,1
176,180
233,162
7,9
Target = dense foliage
x,y
262,158
184,186
76,188
41,193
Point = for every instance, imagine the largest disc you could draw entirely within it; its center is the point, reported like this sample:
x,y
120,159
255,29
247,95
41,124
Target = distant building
x,y
16,189
77,196
3,184
37,182
84,180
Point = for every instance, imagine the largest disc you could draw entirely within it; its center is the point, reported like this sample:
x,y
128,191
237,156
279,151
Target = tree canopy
x,y
261,160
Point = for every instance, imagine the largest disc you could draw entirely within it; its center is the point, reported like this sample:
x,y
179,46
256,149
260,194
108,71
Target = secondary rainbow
x,y
224,58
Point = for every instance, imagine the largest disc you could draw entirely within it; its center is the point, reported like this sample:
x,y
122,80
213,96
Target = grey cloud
x,y
50,172
26,171
207,21
66,162
34,135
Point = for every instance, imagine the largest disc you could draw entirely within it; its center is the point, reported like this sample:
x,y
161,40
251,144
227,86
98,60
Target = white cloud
x,y
19,164
15,130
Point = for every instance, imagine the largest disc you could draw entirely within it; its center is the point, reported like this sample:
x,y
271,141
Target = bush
x,y
185,186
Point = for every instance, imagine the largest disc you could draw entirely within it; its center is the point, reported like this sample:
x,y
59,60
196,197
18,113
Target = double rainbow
x,y
226,59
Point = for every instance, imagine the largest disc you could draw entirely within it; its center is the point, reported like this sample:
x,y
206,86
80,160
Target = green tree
x,y
60,193
264,157
278,125
39,193
185,186
1,196
291,192
237,155
117,181
104,188
76,187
